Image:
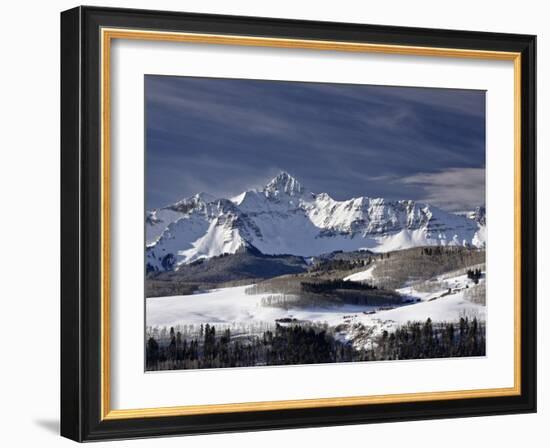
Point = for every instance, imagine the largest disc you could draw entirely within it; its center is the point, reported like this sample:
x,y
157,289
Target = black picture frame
x,y
81,224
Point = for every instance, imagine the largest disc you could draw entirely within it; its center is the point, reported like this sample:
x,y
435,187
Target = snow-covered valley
x,y
445,298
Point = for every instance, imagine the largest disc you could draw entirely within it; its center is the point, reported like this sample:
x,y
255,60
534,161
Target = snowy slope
x,y
233,307
361,276
286,218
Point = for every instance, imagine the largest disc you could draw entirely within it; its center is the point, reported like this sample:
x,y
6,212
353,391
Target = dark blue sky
x,y
223,136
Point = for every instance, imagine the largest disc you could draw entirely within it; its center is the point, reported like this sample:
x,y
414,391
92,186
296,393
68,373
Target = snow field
x,y
445,302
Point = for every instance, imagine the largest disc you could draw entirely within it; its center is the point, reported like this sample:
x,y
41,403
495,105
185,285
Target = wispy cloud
x,y
455,189
224,135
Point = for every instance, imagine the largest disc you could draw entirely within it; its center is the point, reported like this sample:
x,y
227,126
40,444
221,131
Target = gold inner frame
x,y
107,35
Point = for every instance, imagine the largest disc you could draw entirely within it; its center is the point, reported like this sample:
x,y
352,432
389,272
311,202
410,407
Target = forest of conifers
x,y
311,344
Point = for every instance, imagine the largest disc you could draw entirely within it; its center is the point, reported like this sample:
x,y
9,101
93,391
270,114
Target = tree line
x,y
338,264
312,344
294,344
322,286
419,341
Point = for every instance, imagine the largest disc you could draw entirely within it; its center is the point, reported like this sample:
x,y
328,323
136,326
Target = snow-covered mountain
x,y
286,218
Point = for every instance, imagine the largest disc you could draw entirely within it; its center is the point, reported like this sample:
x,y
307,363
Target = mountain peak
x,y
190,203
283,183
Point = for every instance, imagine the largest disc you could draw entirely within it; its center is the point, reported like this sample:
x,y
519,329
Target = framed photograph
x,y
276,224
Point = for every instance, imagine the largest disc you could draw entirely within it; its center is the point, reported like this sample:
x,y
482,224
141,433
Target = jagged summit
x,y
285,218
187,204
283,183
